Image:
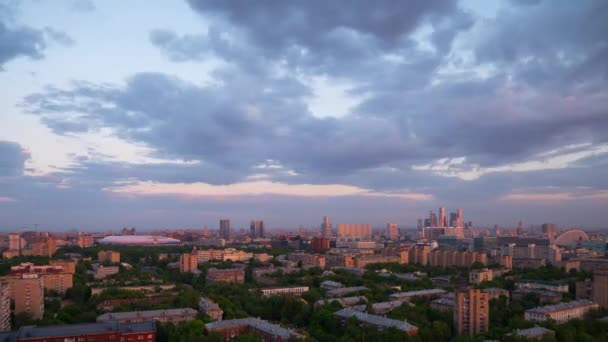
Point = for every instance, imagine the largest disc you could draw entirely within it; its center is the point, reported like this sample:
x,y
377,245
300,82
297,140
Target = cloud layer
x,y
450,106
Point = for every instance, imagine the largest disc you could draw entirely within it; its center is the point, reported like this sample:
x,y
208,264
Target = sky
x,y
174,114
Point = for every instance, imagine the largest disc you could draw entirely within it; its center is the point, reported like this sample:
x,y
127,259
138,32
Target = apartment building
x,y
561,312
471,312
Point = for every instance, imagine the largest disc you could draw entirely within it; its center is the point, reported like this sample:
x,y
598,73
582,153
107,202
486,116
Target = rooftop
x,y
376,320
255,323
150,314
562,306
428,292
78,330
532,332
344,290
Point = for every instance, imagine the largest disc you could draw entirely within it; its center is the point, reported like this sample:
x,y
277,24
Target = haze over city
x,y
176,114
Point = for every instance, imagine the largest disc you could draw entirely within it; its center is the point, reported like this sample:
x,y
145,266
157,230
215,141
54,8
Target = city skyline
x,y
196,111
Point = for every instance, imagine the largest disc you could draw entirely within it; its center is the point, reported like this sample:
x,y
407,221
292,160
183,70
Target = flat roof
x,y
256,323
151,314
83,329
426,292
562,306
532,332
376,320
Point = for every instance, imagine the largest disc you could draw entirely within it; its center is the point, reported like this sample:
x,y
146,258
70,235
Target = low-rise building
x,y
478,276
561,312
163,316
534,333
329,285
547,285
344,301
108,331
101,272
444,303
210,308
232,275
378,322
108,256
293,290
406,296
342,291
229,329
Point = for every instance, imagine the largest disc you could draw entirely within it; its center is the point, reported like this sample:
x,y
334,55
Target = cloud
x,y
255,188
24,41
12,159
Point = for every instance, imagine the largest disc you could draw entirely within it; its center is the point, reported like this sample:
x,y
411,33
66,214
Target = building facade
x,y
600,288
471,312
28,294
561,312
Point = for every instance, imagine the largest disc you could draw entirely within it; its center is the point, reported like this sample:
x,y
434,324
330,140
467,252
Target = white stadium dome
x,y
137,240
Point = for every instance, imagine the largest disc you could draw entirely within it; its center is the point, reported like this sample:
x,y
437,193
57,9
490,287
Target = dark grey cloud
x,y
12,159
534,80
23,41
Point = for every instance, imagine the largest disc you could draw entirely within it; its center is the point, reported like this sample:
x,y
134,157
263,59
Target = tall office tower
x,y
420,225
549,229
5,307
441,217
600,288
326,227
453,218
188,262
225,229
471,312
459,218
391,231
28,294
257,229
520,228
433,219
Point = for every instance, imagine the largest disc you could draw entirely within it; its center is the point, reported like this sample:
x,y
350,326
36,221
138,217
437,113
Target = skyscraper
x,y
441,217
257,229
432,219
471,312
326,227
459,218
453,219
225,229
392,232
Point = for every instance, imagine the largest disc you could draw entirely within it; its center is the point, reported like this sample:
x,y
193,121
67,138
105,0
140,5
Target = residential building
x,y
108,256
561,312
267,331
28,294
406,296
445,258
69,266
5,306
210,308
354,231
600,288
320,244
419,254
101,272
293,290
376,321
84,240
92,332
547,285
163,316
392,232
471,312
233,275
342,291
534,333
188,262
478,276
549,230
